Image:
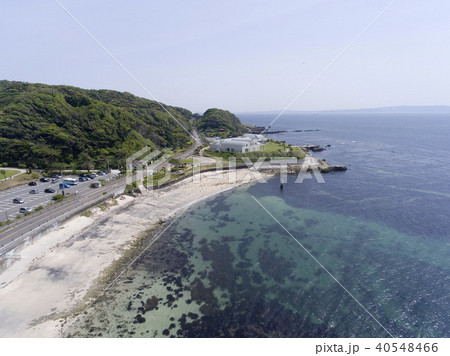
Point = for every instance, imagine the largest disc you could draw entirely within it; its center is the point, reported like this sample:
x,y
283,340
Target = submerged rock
x,y
193,315
151,303
140,319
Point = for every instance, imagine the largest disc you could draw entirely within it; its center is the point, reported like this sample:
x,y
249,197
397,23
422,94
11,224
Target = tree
x,y
41,124
86,162
176,162
3,173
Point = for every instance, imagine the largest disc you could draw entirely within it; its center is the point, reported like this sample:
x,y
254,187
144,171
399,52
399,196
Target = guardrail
x,y
82,205
46,226
113,189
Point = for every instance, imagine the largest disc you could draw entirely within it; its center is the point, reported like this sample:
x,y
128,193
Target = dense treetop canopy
x,y
49,126
216,122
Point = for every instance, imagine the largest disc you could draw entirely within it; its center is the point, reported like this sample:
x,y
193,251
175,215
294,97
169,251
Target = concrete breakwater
x,y
325,167
309,165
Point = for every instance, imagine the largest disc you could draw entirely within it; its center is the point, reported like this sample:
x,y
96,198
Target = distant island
x,y
388,109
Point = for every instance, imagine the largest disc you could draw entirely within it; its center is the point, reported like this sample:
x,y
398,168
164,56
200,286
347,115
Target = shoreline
x,y
55,274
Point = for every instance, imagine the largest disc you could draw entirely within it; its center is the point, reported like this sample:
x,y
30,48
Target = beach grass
x,y
18,180
8,173
274,146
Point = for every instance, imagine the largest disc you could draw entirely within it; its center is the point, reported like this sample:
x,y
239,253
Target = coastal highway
x,y
9,210
82,200
157,166
190,151
86,196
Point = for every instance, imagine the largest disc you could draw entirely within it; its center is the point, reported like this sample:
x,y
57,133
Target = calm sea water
x,y
226,268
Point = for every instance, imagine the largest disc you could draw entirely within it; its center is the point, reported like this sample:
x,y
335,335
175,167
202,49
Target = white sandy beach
x,y
51,276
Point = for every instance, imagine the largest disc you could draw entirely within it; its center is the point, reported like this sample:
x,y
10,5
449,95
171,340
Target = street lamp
x,y
107,164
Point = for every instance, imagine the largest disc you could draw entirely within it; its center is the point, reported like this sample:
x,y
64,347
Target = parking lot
x,y
9,210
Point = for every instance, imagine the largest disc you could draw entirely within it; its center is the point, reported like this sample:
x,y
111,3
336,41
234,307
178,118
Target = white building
x,y
257,137
242,144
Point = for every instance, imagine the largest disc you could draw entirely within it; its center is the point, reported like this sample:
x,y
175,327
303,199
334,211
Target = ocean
x,y
226,268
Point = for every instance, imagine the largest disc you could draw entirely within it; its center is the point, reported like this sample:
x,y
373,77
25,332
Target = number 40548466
x,y
407,347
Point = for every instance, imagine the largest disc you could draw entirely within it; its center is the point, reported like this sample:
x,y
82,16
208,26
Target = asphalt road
x,y
52,213
190,151
157,166
10,210
85,196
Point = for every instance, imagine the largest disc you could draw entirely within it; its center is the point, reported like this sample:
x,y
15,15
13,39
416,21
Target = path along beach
x,y
57,274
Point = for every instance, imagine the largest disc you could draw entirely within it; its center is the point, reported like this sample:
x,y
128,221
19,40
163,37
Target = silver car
x,y
18,201
34,191
25,210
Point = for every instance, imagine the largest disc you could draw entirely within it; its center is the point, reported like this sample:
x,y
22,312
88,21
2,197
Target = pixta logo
x,y
144,163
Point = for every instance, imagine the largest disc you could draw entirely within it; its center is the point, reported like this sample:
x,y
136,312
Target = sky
x,y
237,55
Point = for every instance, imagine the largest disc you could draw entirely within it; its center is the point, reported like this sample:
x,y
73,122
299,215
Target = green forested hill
x,y
216,122
53,126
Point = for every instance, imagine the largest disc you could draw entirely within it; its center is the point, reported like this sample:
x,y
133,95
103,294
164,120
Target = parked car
x,y
25,209
34,191
100,173
92,176
83,179
67,185
18,201
55,180
44,180
32,183
49,190
55,175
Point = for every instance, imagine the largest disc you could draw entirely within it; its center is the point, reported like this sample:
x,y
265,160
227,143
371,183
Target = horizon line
x,y
398,108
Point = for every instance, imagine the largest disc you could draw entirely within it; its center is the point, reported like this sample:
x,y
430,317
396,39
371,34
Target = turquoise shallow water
x,y
226,268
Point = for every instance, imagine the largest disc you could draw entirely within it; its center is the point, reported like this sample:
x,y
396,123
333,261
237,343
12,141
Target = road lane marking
x,y
100,193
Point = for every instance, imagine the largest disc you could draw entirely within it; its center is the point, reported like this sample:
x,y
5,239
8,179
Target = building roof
x,y
256,137
238,142
246,139
230,143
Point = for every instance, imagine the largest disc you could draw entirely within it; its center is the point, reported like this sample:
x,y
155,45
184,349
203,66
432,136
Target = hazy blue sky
x,y
237,55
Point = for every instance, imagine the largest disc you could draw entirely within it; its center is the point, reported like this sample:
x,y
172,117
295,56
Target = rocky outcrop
x,y
313,148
